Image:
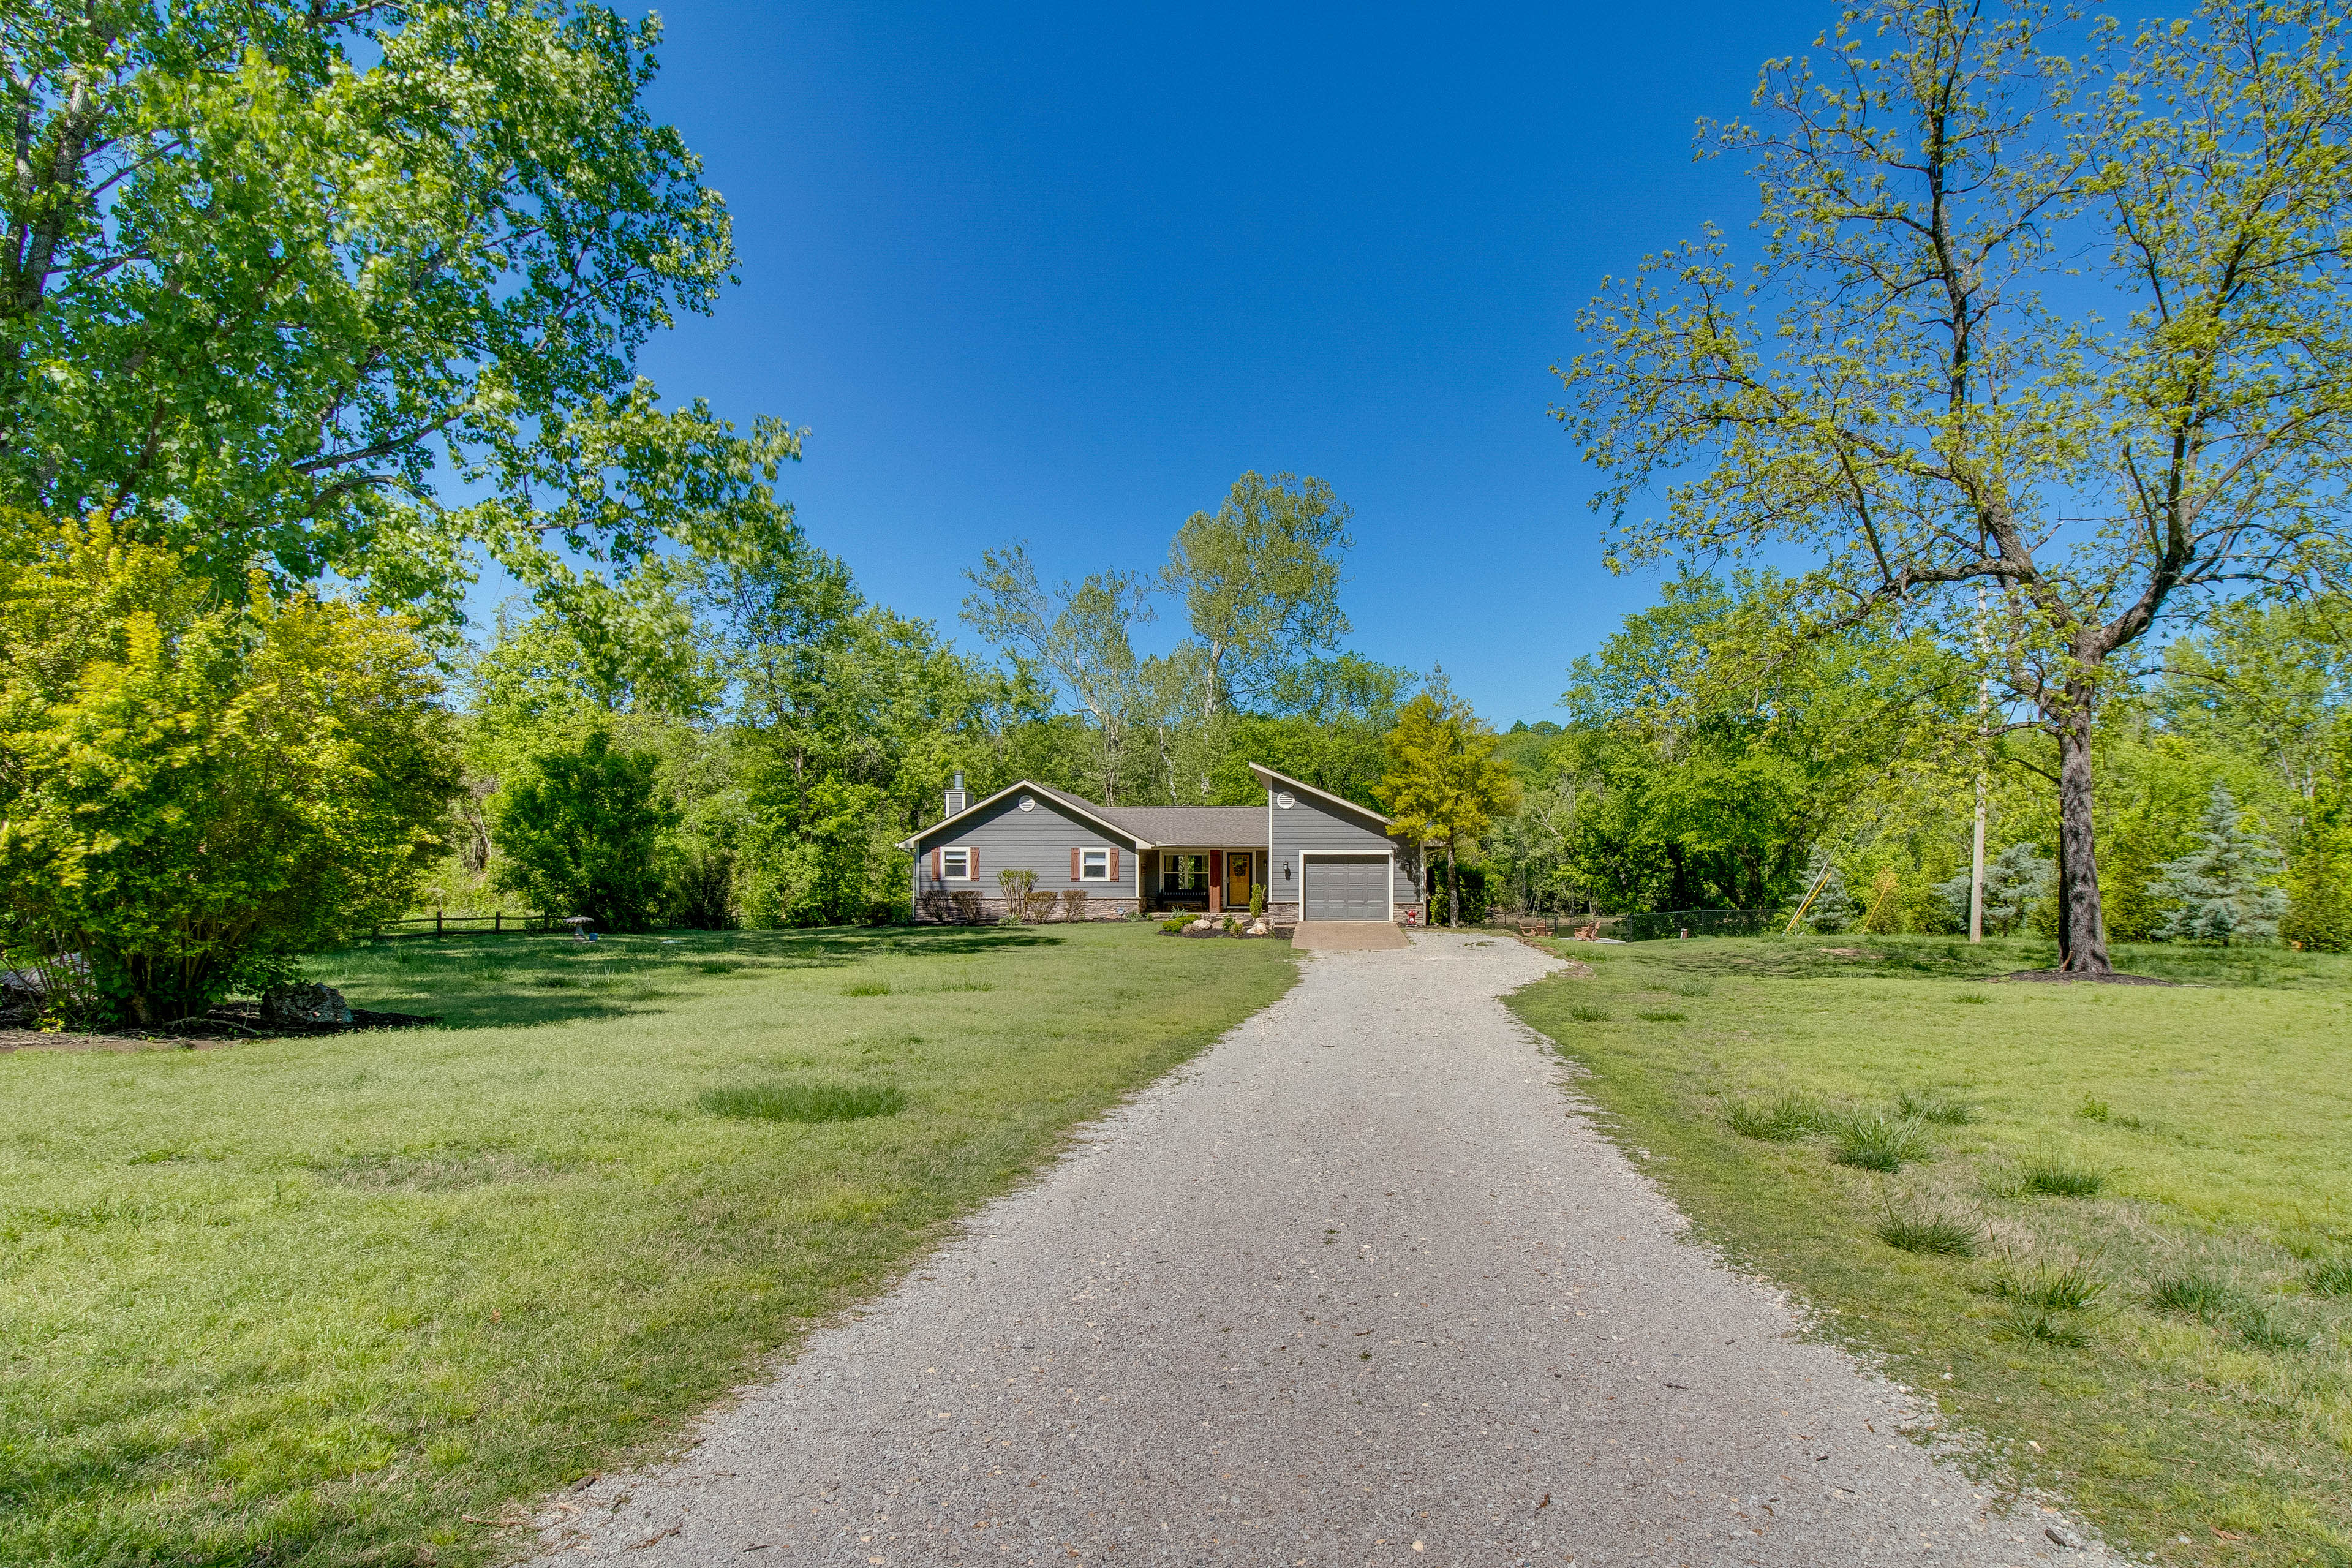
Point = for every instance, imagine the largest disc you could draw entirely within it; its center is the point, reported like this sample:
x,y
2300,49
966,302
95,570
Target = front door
x,y
1237,879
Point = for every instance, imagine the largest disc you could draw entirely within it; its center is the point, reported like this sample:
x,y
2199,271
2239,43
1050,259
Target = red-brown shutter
x,y
972,864
1114,864
1074,864
939,865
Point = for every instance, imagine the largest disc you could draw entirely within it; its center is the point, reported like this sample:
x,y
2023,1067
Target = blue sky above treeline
x,y
1062,273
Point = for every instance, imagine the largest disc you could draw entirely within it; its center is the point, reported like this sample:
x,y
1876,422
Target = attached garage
x,y
1346,887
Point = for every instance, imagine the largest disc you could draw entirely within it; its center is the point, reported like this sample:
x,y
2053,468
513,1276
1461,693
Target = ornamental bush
x,y
194,790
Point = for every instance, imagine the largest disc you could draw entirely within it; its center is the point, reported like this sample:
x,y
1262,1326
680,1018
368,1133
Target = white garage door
x,y
1346,888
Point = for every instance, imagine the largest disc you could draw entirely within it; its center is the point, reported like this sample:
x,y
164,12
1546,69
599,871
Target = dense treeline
x,y
1668,788
766,769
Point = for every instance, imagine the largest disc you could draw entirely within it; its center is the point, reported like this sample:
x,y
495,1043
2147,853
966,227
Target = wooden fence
x,y
439,924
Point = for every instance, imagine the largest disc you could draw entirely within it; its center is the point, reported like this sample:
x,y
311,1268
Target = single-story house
x,y
1316,855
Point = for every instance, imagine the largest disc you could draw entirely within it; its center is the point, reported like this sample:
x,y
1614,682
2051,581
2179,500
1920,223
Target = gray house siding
x,y
1005,837
1002,836
1313,825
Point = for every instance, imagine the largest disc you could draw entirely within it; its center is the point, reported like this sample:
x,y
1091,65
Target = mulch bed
x,y
223,1026
2062,975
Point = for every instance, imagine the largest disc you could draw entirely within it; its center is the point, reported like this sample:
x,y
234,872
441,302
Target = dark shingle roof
x,y
1181,827
1193,827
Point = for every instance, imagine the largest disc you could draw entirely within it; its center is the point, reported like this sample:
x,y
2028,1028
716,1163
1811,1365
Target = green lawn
x,y
2204,1388
341,1299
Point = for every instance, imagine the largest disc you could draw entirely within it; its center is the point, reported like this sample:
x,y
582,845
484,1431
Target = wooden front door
x,y
1237,879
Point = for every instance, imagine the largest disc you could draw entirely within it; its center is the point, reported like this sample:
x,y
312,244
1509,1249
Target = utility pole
x,y
1976,865
1976,858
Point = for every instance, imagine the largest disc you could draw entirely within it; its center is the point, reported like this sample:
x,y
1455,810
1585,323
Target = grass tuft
x,y
2045,1327
1782,1121
2066,1287
1972,999
2262,1331
2094,1110
714,968
1588,1015
1933,1105
805,1101
1664,1017
866,988
2197,1295
2052,1177
2330,1275
1930,1234
1874,1141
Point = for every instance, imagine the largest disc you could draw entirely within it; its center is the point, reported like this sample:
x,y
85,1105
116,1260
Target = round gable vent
x,y
1286,800
1028,803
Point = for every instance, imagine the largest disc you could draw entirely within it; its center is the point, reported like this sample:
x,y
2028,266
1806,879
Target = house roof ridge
x,y
1084,807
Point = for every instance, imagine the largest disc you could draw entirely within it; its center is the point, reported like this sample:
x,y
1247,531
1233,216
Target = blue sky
x,y
1063,274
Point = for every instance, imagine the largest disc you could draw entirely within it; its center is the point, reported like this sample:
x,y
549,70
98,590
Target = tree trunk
x,y
2082,932
1453,887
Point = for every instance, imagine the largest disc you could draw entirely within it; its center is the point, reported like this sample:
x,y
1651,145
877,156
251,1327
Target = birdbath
x,y
579,925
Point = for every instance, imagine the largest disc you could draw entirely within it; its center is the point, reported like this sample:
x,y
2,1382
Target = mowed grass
x,y
355,1299
2108,1228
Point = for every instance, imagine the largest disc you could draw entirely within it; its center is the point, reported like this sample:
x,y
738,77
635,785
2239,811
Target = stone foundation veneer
x,y
940,908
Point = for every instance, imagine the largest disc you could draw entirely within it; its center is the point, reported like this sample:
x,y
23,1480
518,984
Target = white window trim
x,y
946,863
1307,857
1086,872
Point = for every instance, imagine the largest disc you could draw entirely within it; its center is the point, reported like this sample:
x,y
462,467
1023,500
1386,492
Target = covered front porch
x,y
1208,879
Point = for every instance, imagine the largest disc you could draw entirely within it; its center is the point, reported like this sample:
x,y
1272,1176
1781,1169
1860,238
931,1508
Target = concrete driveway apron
x,y
1361,1285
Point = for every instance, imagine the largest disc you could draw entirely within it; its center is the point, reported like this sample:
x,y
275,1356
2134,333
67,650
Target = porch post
x,y
1216,881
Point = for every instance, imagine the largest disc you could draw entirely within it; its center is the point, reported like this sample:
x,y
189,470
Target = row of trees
x,y
1855,770
764,769
1259,675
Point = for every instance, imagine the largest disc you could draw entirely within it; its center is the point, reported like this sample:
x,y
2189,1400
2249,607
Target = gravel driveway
x,y
1360,1286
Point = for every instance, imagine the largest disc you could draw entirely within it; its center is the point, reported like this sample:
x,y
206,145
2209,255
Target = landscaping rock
x,y
1259,928
2066,1537
310,1005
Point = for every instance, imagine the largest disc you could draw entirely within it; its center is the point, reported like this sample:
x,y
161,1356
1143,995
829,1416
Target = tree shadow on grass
x,y
517,981
1854,956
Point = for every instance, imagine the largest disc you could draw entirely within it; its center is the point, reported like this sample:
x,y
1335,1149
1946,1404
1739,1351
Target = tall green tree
x,y
357,290
583,833
2060,316
1444,784
1260,581
1077,634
